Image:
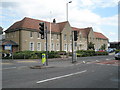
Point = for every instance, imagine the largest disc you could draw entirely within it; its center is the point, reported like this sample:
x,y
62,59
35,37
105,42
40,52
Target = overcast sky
x,y
101,15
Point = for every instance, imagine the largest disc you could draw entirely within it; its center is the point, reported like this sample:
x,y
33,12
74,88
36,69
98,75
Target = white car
x,y
117,56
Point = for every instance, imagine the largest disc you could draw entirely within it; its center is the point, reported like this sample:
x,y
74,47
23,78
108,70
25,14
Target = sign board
x,y
8,47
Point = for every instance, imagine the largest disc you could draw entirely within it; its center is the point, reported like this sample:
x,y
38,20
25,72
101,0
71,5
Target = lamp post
x,y
67,9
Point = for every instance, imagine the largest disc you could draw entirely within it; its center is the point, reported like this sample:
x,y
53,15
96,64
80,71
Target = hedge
x,y
85,53
32,55
118,50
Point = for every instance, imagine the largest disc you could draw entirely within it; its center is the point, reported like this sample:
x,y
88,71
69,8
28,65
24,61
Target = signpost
x,y
9,48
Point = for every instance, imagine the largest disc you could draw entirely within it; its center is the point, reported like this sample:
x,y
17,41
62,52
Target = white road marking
x,y
8,68
13,68
60,77
107,59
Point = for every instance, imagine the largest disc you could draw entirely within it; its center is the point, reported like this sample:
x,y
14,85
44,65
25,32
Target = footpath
x,y
37,64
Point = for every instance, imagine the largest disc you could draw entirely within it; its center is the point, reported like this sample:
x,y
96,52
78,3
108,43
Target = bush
x,y
101,53
33,55
53,54
84,53
116,51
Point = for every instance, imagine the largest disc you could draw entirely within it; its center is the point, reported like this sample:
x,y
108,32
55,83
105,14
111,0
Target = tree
x,y
1,30
103,47
90,46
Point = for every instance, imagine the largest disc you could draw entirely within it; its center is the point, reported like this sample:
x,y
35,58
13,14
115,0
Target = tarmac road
x,y
61,74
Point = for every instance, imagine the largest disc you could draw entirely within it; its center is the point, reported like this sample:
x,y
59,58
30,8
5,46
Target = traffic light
x,y
75,35
42,25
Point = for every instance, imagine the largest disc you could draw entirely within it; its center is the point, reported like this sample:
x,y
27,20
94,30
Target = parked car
x,y
117,56
110,50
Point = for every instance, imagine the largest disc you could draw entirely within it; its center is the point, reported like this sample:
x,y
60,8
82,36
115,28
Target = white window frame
x,y
39,46
70,37
45,46
57,46
52,47
65,36
31,49
52,36
57,37
65,47
31,34
38,35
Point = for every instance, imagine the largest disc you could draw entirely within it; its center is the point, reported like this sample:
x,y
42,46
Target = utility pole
x,y
67,9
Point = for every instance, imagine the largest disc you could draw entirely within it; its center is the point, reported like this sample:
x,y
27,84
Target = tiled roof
x,y
8,42
85,32
100,35
29,23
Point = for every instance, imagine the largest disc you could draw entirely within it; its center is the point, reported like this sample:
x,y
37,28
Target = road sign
x,y
43,58
5,55
8,47
10,54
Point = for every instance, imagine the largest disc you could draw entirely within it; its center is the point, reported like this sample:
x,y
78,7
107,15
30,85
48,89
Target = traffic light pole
x,y
46,47
72,45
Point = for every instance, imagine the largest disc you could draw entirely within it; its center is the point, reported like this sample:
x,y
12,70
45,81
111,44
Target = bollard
x,y
43,58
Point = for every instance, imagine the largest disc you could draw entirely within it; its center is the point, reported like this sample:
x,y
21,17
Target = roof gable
x,y
29,23
8,42
83,31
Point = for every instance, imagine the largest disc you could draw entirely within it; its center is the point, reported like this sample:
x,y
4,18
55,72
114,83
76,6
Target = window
x,y
57,36
65,36
70,37
80,37
31,46
52,36
52,47
65,47
38,35
38,46
69,47
57,47
44,46
31,34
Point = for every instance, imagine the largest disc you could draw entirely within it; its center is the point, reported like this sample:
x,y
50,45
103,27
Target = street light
x,y
67,9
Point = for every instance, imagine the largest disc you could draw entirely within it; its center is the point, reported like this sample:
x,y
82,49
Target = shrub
x,y
34,54
116,51
101,53
85,53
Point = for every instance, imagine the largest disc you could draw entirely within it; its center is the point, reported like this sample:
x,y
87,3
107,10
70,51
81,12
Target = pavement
x,y
56,62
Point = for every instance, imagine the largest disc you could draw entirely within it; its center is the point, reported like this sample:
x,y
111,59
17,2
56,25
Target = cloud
x,y
112,33
8,4
80,11
113,20
91,4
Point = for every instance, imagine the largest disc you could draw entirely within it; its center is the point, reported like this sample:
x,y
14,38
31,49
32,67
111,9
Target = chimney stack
x,y
54,21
